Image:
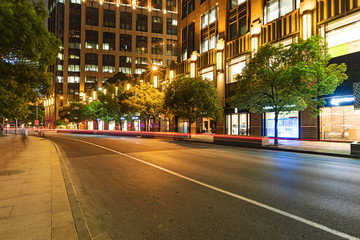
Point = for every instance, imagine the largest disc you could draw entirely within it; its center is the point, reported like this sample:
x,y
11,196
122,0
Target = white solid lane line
x,y
259,204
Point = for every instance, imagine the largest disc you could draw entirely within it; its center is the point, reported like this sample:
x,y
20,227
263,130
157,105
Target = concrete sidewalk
x,y
33,202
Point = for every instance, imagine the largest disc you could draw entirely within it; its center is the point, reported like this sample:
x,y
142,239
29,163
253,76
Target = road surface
x,y
159,189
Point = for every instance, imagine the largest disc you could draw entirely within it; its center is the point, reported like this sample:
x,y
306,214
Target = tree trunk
x,y
276,128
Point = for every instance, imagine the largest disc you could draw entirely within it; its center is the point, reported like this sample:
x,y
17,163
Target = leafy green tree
x,y
74,112
26,49
114,103
94,111
192,99
118,77
147,101
281,79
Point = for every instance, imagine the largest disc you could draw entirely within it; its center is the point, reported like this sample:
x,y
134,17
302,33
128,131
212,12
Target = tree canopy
x,y
283,79
192,99
74,112
27,49
147,101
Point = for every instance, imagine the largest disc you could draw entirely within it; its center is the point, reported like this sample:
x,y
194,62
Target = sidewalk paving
x,y
33,202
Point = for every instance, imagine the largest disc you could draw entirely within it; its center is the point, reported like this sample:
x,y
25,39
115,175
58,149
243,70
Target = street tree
x,y
284,79
118,77
95,111
147,101
26,49
73,113
192,99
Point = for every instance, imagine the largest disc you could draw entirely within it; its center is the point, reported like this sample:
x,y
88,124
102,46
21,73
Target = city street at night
x,y
158,189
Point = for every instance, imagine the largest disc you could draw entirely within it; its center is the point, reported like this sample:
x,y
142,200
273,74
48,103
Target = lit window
x,y
74,68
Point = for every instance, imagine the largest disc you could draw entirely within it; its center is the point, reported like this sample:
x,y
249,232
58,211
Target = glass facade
x,y
340,123
238,124
288,124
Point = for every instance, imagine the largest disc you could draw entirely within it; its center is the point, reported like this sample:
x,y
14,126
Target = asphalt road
x,y
158,189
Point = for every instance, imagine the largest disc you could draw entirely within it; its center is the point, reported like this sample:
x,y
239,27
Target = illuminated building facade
x,y
216,39
101,38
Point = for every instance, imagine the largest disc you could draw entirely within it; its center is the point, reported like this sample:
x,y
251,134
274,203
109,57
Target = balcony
x,y
238,46
281,28
206,59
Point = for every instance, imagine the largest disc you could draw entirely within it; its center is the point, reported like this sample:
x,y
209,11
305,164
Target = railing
x,y
238,46
206,59
183,67
281,28
328,10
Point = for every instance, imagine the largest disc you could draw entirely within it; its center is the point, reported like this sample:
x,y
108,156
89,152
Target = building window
x,y
91,62
141,44
74,43
73,79
171,5
74,68
125,20
109,18
91,39
171,26
204,20
139,70
74,20
141,61
141,22
236,69
157,62
125,42
157,46
242,26
171,47
184,44
233,31
278,8
75,1
191,6
125,64
92,16
108,41
235,3
156,4
59,67
157,25
208,26
90,82
184,9
191,38
109,63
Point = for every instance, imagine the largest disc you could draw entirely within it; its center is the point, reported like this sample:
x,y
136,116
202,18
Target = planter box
x,y
355,148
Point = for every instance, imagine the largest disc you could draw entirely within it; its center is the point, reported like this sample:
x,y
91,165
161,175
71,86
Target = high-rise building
x,y
216,39
101,38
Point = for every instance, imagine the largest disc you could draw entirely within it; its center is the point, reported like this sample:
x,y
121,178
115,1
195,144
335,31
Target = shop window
x,y
288,124
238,124
125,20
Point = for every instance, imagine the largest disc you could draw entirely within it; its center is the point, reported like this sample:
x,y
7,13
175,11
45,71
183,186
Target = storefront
x,y
340,122
238,124
288,124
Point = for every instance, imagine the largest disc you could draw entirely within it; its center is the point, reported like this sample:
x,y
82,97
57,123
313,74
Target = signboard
x,y
36,122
